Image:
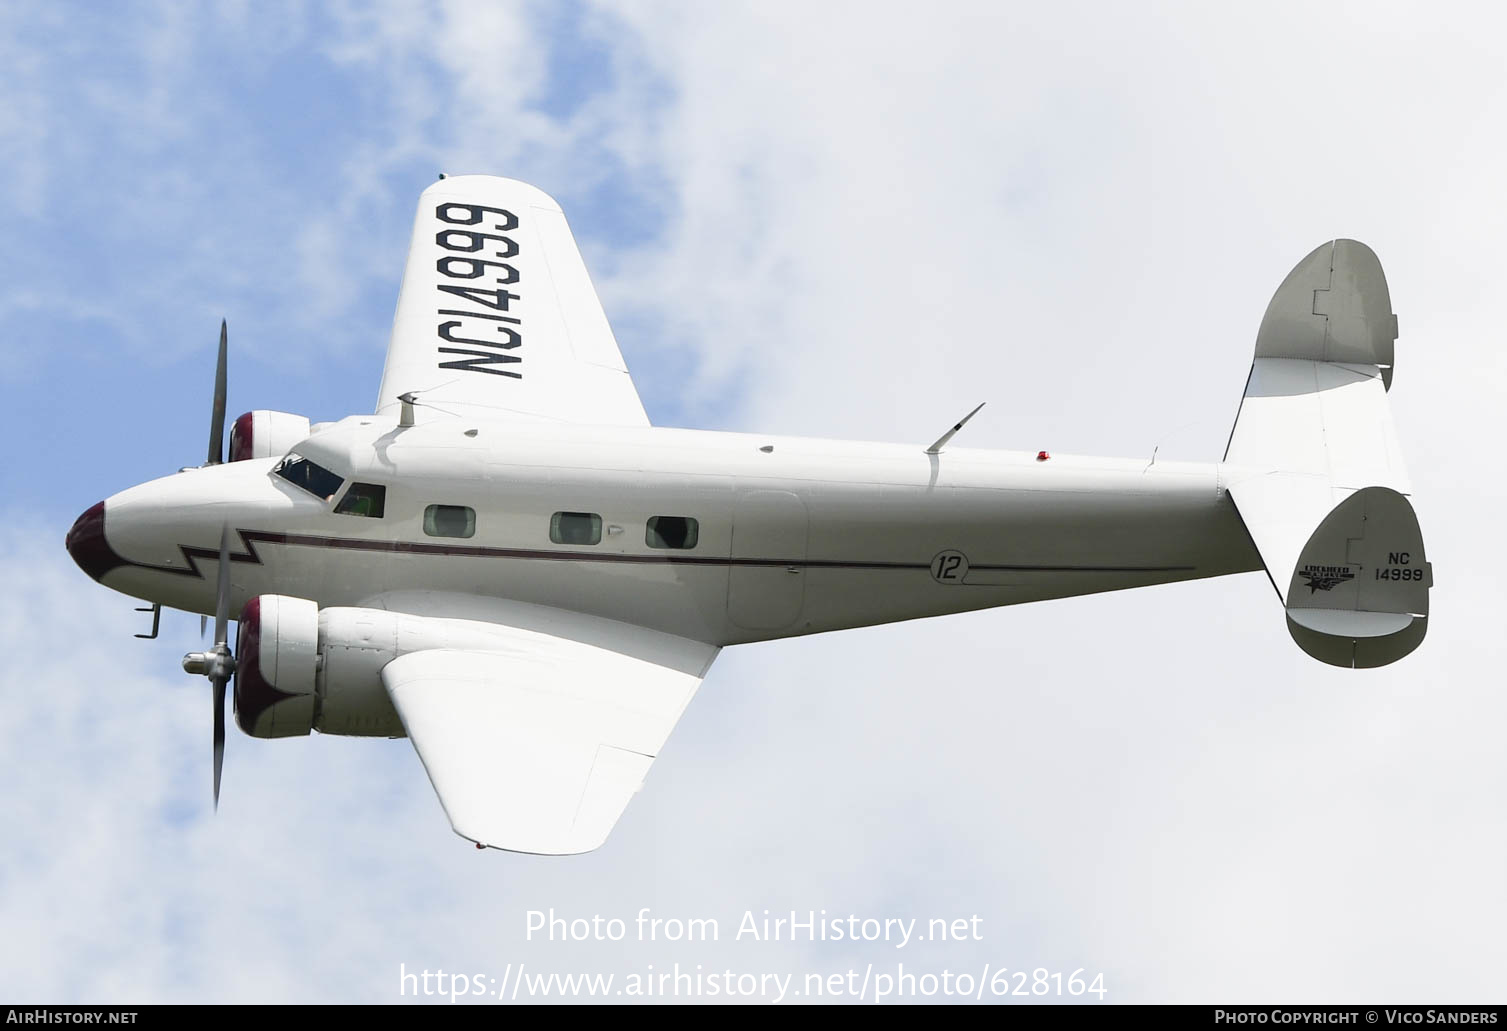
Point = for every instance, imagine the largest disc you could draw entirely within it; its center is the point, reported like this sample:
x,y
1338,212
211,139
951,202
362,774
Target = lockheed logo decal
x,y
1325,578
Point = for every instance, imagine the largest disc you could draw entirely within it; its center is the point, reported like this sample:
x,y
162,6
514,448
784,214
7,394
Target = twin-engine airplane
x,y
507,564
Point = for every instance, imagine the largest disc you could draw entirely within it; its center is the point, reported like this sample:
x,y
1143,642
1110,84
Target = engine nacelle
x,y
300,668
354,645
277,662
266,434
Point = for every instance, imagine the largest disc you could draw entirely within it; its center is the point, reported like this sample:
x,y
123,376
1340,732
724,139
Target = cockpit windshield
x,y
304,474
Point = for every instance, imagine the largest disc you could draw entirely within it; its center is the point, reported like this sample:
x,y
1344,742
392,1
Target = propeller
x,y
217,425
218,664
217,414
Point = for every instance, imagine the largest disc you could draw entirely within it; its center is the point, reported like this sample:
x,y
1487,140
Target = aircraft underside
x,y
508,565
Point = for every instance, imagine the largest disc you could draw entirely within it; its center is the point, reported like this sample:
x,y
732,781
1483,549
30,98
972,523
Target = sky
x,y
836,219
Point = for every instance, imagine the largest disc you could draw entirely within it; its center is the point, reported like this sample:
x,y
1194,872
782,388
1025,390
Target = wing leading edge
x,y
539,748
497,317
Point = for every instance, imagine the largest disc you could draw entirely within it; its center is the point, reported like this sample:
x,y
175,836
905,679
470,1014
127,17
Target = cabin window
x,y
363,499
575,528
305,475
678,532
449,521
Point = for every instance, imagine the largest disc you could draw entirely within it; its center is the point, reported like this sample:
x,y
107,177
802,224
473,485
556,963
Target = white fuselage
x,y
796,536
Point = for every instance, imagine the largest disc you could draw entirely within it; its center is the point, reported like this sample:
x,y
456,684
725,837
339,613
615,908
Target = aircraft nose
x,y
86,543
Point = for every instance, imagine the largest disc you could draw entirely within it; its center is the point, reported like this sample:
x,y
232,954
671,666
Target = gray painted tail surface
x,y
1315,470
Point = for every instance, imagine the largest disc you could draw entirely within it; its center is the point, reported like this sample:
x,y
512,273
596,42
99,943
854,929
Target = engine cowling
x,y
277,663
300,668
266,434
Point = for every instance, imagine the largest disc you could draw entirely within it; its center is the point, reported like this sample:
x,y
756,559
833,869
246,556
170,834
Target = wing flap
x,y
537,750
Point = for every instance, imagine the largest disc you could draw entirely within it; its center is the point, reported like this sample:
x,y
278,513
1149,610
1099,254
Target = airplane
x,y
508,565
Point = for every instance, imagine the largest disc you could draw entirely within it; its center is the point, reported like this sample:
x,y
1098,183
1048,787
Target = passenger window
x,y
449,521
304,474
575,528
672,532
363,499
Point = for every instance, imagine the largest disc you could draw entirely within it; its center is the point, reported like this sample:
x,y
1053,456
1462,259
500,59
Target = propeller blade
x,y
217,416
222,602
219,735
203,626
218,663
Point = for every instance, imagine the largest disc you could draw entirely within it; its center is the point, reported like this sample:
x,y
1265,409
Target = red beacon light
x,y
1042,456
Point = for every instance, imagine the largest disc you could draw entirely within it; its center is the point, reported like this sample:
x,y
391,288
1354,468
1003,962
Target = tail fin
x,y
1314,468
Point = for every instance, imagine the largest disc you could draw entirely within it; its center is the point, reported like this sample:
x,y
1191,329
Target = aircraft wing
x,y
497,317
538,746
